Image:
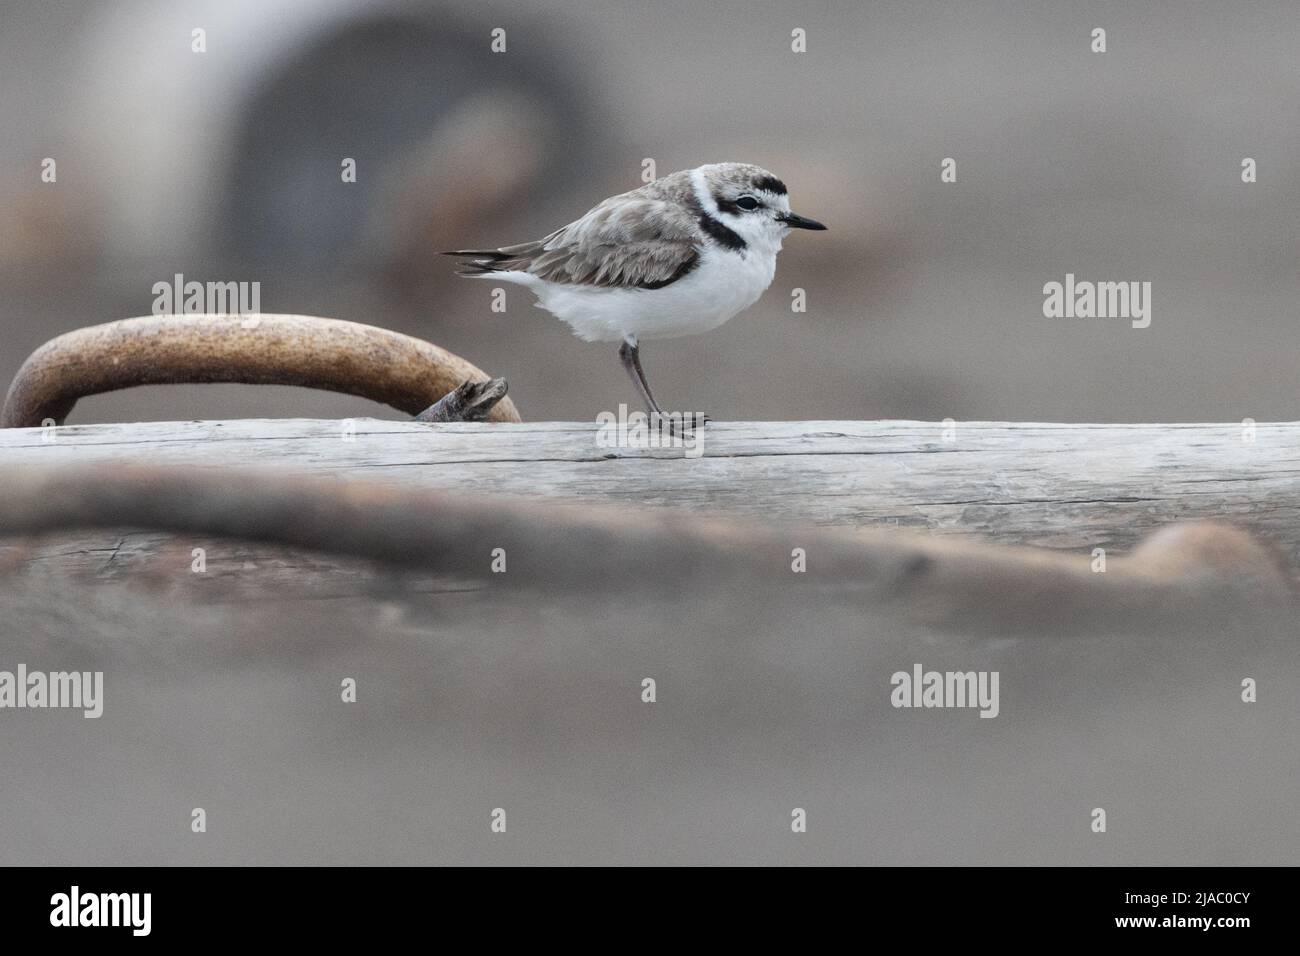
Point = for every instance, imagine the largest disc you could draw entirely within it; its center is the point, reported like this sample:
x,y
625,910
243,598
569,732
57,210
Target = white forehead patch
x,y
779,201
703,195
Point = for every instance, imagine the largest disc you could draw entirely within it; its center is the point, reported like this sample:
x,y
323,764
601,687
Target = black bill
x,y
799,222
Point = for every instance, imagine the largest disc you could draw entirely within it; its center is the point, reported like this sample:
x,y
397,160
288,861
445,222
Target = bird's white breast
x,y
723,284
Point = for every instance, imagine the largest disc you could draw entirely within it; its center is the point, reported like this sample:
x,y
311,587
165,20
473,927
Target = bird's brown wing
x,y
627,241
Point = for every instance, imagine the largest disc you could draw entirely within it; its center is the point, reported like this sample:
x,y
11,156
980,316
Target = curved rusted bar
x,y
263,349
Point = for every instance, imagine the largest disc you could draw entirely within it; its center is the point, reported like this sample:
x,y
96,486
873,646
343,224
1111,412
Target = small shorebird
x,y
679,256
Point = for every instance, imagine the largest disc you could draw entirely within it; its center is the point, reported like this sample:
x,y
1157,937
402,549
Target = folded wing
x,y
625,242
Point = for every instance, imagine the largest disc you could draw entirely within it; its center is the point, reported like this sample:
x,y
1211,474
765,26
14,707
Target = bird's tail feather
x,y
504,259
493,254
484,261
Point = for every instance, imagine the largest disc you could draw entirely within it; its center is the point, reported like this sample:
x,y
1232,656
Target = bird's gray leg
x,y
631,356
630,353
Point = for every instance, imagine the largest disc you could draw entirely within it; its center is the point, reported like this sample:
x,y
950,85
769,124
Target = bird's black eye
x,y
747,202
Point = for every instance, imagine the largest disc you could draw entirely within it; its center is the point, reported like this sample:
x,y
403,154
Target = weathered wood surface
x,y
477,694
1045,485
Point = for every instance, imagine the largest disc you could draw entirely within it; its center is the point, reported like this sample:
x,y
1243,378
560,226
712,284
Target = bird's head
x,y
750,201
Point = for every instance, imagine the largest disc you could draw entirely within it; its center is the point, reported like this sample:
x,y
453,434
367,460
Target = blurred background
x,y
924,298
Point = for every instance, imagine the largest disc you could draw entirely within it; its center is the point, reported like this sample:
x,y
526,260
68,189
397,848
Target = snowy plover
x,y
679,256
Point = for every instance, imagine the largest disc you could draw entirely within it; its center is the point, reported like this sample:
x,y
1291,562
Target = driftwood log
x,y
524,690
422,505
468,402
1064,487
229,578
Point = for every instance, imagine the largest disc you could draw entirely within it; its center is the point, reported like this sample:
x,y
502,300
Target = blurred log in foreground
x,y
1185,572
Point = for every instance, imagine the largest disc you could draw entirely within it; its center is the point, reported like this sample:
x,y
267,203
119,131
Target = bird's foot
x,y
685,423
